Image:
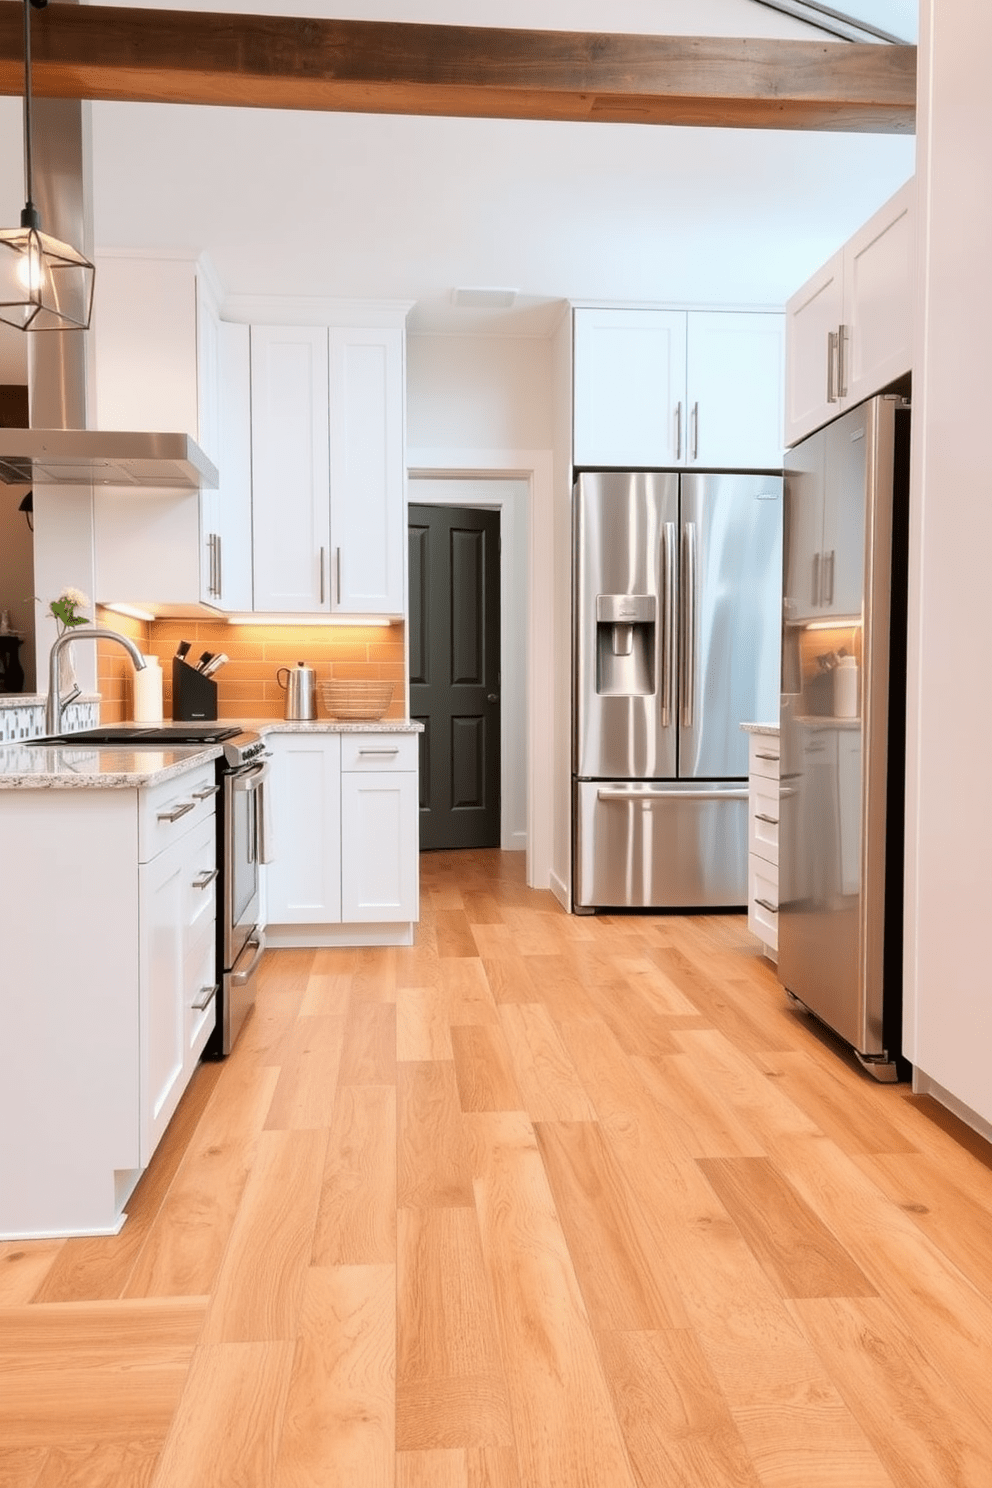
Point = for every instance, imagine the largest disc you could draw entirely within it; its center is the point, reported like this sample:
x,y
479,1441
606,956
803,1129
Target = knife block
x,y
194,696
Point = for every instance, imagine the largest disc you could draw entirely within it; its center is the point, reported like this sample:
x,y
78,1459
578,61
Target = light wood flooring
x,y
542,1202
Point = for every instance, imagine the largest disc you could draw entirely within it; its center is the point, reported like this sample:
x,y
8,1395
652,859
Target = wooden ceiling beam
x,y
284,62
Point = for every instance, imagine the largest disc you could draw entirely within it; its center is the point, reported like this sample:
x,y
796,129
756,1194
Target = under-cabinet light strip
x,y
307,620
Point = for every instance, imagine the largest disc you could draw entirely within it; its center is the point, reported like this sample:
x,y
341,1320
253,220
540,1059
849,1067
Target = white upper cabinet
x,y
734,391
368,528
849,329
145,348
225,514
629,390
290,468
675,388
328,475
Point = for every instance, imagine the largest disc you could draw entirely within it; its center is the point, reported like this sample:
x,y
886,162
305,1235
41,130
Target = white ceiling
x,y
408,208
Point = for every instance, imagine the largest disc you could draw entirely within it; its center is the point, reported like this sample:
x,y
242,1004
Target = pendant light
x,y
45,285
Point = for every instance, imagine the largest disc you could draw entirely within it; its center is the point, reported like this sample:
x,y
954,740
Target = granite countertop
x,y
332,725
761,728
65,767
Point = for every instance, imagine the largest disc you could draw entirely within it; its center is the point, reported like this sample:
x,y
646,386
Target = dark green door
x,y
454,672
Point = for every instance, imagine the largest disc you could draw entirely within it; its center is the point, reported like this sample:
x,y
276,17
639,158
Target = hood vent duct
x,y
58,448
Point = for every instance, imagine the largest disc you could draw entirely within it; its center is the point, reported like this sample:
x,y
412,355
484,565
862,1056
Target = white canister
x,y
846,680
148,692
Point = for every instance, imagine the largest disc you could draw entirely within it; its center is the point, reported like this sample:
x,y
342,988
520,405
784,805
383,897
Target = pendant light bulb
x,y
45,285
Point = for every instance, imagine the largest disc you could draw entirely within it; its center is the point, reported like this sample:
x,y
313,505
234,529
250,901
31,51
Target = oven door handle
x,y
241,978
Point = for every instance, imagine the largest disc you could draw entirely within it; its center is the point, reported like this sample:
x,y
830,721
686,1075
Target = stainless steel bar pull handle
x,y
831,358
815,594
176,812
695,431
688,680
606,793
205,997
393,750
220,566
843,334
828,576
206,793
205,879
766,904
678,430
771,820
759,755
668,623
322,575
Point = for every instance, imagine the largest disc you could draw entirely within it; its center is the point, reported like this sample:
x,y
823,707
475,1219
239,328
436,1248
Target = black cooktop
x,y
151,735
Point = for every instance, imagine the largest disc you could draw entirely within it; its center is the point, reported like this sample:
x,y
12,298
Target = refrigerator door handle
x,y
688,681
616,794
668,621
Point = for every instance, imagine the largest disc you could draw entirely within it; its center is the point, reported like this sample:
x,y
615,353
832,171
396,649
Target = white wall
x,y
478,392
949,784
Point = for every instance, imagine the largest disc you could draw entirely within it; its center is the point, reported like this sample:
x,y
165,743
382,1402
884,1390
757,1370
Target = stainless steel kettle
x,y
301,690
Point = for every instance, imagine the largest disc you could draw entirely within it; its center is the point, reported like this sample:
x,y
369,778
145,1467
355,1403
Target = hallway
x,y
541,1202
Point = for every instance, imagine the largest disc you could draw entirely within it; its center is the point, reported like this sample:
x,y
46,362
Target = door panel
x,y
731,553
455,672
626,593
670,846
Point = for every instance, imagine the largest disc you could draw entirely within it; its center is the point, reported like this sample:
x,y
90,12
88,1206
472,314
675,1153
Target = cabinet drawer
x,y
763,819
167,811
763,756
378,751
762,900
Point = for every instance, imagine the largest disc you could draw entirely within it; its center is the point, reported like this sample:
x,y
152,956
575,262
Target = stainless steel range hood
x,y
83,457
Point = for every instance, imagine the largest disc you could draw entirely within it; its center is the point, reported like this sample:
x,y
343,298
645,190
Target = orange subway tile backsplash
x,y
247,685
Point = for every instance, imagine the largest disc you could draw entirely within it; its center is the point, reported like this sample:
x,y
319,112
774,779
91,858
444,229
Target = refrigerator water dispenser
x,y
625,644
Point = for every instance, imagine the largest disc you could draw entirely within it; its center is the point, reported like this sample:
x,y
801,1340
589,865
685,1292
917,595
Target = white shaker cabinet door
x,y
379,847
290,469
225,513
879,265
304,877
813,316
734,390
163,905
629,395
368,519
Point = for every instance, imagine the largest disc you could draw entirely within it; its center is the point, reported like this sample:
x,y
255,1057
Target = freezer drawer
x,y
660,845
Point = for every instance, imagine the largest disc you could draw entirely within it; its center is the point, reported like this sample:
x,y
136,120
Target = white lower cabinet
x,y
177,909
763,824
108,925
345,867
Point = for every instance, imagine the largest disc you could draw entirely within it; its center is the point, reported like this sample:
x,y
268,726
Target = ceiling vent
x,y
484,298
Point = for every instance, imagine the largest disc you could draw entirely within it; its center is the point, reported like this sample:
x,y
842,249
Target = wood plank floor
x,y
540,1202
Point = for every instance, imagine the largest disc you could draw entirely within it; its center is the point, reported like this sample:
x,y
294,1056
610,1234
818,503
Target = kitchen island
x,y
107,919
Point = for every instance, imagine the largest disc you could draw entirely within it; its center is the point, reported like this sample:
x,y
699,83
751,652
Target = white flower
x,y
76,598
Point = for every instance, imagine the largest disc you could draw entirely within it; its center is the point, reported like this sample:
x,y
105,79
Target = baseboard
x,y
283,937
560,890
924,1085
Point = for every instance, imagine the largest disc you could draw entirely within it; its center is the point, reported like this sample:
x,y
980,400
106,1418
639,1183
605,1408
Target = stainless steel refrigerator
x,y
843,727
677,590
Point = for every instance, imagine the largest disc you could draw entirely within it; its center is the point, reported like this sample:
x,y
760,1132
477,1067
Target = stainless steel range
x,y
241,850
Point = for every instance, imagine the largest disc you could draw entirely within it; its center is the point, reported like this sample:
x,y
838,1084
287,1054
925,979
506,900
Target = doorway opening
x,y
505,502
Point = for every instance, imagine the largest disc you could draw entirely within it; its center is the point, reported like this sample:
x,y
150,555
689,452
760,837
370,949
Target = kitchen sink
x,y
136,735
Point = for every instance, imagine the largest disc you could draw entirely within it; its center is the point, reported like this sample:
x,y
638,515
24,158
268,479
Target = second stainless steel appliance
x,y
843,727
677,594
241,849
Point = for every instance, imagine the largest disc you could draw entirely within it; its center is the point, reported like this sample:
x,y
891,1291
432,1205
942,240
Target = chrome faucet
x,y
56,704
